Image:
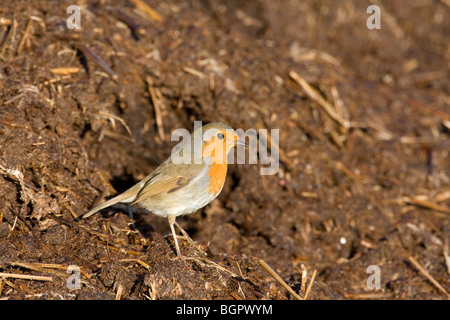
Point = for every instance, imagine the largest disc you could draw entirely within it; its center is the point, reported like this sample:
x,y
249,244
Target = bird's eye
x,y
220,136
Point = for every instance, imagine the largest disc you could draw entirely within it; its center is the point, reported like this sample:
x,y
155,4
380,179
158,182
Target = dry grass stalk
x,y
445,251
5,21
367,295
68,207
304,277
429,109
138,261
152,291
270,271
446,124
151,13
274,147
59,267
109,239
54,80
442,196
235,296
391,21
208,262
428,276
25,276
311,282
123,250
65,70
119,292
106,133
112,118
8,33
155,95
316,96
426,204
194,72
25,35
41,267
341,166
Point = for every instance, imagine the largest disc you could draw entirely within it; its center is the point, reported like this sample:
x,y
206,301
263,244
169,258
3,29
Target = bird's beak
x,y
237,142
240,142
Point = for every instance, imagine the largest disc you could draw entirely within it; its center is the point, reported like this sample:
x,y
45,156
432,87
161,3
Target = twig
x,y
25,276
428,276
313,94
278,279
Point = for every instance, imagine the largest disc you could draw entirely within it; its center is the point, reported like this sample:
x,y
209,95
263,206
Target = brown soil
x,y
374,193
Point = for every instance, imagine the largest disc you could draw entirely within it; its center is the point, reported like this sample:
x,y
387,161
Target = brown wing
x,y
168,179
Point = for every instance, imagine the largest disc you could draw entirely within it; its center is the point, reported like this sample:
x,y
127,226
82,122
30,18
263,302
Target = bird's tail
x,y
123,197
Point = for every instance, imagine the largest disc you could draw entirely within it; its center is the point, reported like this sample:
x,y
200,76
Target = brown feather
x,y
168,182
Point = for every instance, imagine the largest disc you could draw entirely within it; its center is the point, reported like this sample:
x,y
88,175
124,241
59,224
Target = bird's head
x,y
217,141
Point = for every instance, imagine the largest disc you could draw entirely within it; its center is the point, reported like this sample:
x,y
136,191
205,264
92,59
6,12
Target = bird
x,y
184,183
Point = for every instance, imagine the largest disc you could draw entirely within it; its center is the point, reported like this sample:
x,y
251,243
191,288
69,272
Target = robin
x,y
177,187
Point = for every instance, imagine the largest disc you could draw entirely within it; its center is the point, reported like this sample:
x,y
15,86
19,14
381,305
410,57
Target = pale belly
x,y
184,201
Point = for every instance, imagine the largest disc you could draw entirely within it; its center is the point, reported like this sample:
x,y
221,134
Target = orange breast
x,y
217,174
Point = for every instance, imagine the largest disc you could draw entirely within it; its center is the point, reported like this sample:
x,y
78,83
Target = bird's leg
x,y
188,238
172,221
185,234
130,214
